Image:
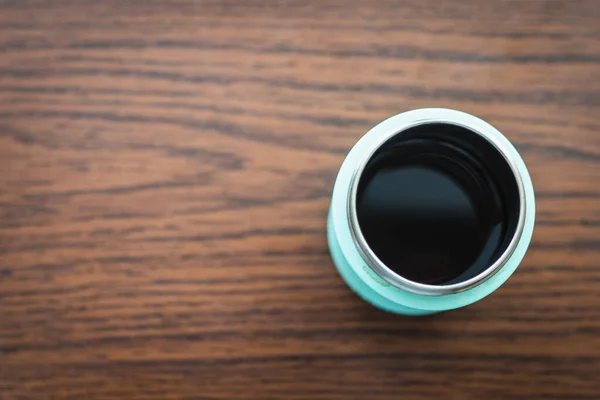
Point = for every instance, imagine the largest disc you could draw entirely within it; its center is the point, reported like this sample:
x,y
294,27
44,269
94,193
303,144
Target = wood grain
x,y
166,168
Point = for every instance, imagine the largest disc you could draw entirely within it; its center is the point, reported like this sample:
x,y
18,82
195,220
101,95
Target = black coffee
x,y
438,204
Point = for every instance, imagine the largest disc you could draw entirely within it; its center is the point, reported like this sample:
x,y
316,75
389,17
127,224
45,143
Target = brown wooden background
x,y
166,168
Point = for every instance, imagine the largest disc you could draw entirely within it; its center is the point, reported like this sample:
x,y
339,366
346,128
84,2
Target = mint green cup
x,y
417,251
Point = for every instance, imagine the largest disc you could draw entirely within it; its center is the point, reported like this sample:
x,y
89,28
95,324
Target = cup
x,y
432,209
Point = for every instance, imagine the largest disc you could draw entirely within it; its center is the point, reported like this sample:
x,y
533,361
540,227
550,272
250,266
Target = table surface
x,y
166,169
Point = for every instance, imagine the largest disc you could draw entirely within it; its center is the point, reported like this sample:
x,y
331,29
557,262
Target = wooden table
x,y
166,168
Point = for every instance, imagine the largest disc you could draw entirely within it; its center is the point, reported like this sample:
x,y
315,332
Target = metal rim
x,y
392,277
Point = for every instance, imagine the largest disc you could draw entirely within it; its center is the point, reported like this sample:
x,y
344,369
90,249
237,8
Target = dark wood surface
x,y
166,168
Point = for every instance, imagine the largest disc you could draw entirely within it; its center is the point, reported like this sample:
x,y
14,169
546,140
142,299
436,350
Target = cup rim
x,y
459,119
